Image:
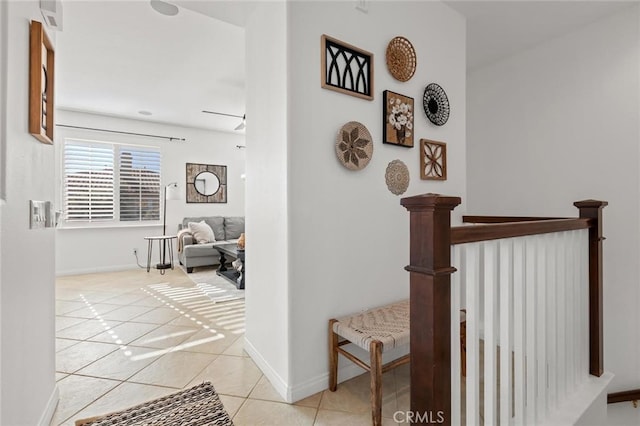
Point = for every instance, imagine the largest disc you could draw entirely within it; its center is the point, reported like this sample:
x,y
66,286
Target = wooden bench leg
x,y
333,357
375,351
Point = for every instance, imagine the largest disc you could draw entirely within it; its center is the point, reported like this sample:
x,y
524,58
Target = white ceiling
x,y
122,57
497,29
234,12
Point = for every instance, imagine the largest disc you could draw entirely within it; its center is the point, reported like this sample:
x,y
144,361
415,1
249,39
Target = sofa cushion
x,y
233,227
202,250
215,222
202,232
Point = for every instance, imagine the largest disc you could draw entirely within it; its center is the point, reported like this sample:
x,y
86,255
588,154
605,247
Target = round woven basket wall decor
x,y
397,177
436,104
401,59
354,146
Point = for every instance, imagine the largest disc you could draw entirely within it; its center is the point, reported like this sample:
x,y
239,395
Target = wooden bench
x,y
374,330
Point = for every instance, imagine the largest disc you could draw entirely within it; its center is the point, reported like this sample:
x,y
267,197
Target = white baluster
x,y
572,331
519,309
561,309
584,307
472,283
578,341
531,317
456,373
551,244
541,302
506,315
490,325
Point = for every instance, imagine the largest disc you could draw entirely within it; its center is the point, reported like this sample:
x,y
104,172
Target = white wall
x,y
3,137
560,123
349,236
101,249
3,90
268,292
27,354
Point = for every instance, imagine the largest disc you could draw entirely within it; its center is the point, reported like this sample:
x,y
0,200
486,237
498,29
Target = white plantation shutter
x,y
111,182
88,181
139,184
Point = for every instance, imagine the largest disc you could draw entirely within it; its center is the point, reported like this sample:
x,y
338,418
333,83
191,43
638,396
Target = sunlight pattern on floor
x,y
229,314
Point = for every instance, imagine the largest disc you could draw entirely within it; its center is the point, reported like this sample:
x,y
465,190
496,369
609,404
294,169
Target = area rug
x,y
217,288
199,405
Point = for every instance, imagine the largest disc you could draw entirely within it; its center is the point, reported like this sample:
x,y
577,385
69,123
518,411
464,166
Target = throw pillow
x,y
202,232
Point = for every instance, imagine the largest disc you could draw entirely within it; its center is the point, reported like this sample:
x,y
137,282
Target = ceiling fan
x,y
240,126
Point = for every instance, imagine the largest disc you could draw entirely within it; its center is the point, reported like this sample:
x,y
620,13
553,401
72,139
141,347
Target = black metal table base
x,y
233,276
237,278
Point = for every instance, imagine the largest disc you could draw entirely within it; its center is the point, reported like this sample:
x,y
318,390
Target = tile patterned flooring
x,y
121,340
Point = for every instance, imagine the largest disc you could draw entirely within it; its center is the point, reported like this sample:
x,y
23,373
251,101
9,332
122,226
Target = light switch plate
x,y
37,214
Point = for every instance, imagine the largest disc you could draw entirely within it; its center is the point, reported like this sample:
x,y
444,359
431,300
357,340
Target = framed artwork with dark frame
x,y
41,78
433,160
346,68
397,115
206,183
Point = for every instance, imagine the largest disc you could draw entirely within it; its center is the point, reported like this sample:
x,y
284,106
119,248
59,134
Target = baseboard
x,y
47,415
113,268
303,390
276,381
321,382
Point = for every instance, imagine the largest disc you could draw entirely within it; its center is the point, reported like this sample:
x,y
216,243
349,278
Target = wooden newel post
x,y
430,305
592,209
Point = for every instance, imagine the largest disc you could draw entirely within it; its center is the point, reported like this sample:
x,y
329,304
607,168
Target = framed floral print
x,y
397,113
433,160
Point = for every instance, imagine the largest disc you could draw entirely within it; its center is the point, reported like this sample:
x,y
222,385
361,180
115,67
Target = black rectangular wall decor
x,y
345,68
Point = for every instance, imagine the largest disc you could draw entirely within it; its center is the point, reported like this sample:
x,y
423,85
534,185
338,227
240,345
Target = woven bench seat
x,y
374,330
387,324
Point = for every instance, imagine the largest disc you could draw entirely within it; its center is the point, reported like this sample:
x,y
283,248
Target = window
x,y
106,182
139,184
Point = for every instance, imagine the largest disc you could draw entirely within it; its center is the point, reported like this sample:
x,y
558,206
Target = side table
x,y
161,239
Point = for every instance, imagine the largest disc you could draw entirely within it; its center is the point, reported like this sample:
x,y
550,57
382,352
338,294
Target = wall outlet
x,y
135,251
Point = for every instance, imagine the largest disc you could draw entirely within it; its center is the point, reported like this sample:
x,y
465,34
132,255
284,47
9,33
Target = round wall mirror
x,y
207,183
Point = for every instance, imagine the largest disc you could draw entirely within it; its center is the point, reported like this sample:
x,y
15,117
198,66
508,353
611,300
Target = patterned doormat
x,y
199,405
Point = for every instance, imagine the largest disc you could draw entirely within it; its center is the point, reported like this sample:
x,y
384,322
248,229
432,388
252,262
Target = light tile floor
x,y
123,339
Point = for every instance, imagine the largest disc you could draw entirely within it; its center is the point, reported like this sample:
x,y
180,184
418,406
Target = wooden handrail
x,y
495,231
505,219
630,395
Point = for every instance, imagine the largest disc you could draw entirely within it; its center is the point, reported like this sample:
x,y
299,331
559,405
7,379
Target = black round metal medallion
x,y
436,104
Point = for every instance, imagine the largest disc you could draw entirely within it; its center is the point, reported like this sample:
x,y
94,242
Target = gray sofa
x,y
225,230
